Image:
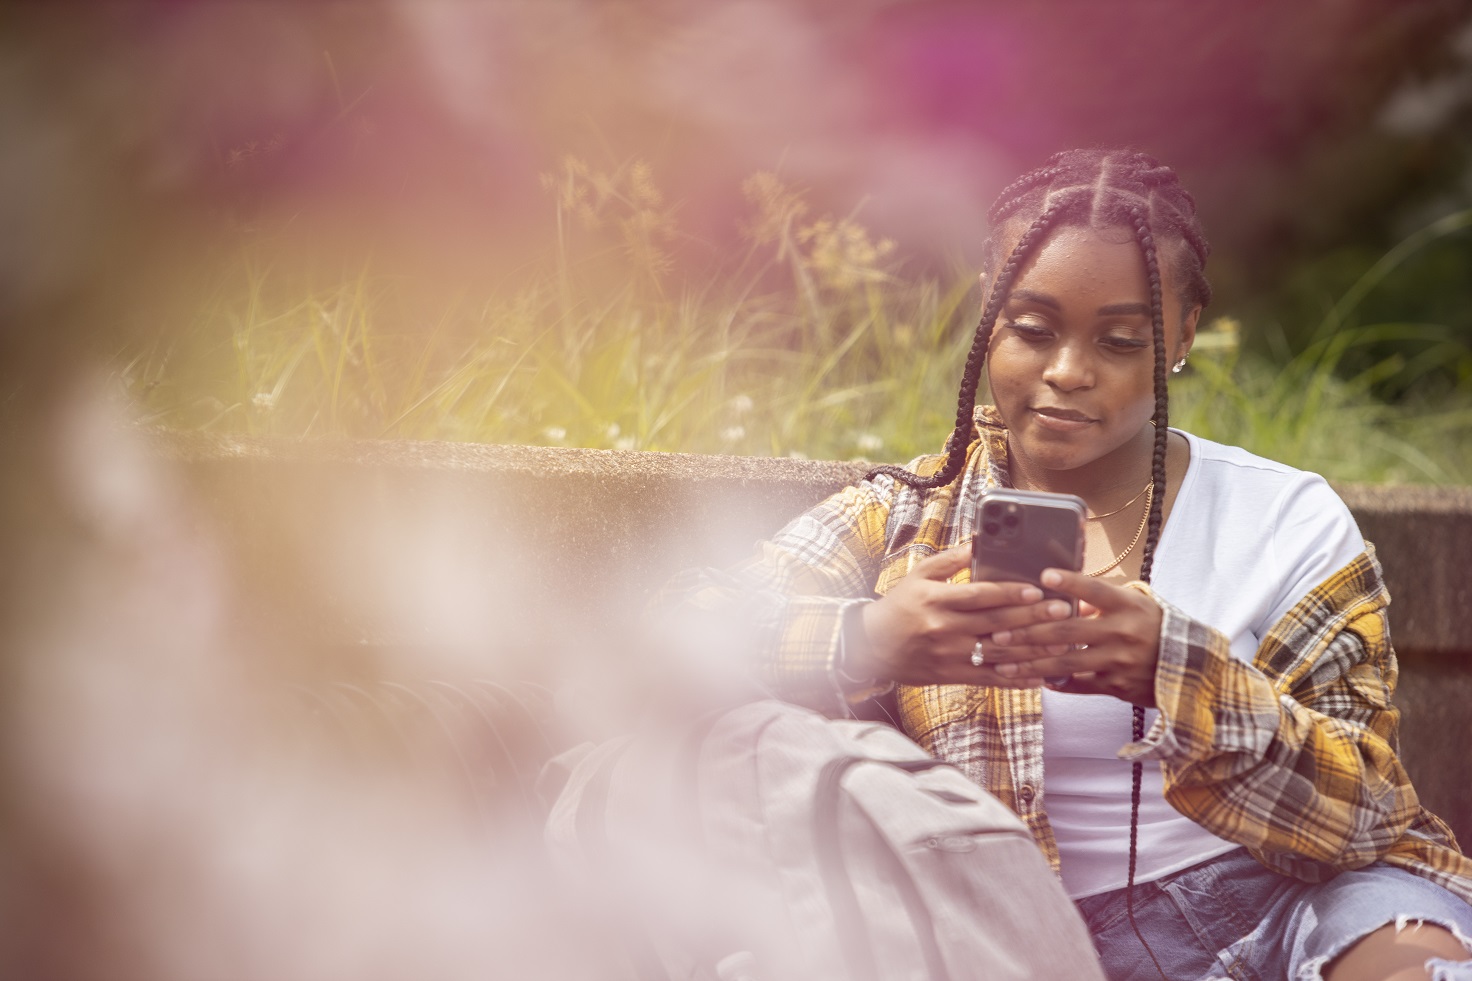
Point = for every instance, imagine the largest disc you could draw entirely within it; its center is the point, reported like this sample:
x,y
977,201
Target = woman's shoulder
x,y
1235,460
1257,520
1293,511
1220,469
985,451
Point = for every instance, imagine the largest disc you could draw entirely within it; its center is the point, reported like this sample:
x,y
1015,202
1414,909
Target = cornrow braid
x,y
1157,176
1015,193
1201,247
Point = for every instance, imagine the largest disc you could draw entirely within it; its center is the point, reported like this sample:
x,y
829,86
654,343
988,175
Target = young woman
x,y
1216,780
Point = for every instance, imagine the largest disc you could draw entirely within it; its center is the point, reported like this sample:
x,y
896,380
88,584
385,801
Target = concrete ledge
x,y
561,546
649,514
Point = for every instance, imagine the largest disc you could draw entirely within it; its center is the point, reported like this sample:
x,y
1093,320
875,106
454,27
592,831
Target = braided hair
x,y
1094,188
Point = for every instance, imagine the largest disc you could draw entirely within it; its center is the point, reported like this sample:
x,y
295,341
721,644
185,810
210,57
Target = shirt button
x,y
1026,794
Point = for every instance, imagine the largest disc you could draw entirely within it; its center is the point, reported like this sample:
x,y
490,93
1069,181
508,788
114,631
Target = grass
x,y
1303,411
813,342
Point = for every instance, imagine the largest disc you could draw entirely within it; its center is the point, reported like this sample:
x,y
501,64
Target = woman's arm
x,y
1293,755
781,611
802,612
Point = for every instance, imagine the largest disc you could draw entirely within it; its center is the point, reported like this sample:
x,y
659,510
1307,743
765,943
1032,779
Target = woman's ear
x,y
986,286
1187,337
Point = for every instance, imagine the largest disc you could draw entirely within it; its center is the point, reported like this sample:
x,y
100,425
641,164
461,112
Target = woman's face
x,y
1071,360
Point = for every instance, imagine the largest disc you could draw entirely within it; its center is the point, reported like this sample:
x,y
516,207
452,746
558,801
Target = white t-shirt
x,y
1246,540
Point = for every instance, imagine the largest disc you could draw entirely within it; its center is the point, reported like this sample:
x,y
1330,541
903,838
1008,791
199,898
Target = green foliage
x,y
815,342
1408,307
1305,412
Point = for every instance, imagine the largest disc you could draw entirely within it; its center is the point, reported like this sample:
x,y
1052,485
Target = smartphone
x,y
1020,533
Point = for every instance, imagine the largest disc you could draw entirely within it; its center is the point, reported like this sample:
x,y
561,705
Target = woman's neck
x,y
1121,473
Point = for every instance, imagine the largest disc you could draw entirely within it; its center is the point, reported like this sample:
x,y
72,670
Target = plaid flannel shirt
x,y
1293,756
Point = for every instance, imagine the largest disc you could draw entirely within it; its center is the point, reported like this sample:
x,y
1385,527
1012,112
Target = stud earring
x,y
1176,369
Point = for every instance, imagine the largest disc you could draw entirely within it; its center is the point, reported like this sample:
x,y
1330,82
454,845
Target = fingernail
x,y
1031,594
1006,670
1058,610
1051,577
1002,638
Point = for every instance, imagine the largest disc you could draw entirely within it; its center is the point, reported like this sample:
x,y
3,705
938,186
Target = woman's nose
x,y
1068,369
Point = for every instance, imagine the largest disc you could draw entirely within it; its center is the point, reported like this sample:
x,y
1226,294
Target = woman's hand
x,y
924,629
1111,648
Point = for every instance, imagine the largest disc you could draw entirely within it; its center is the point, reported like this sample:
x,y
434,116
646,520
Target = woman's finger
x,y
1109,669
963,672
969,596
1070,632
997,655
1012,618
1102,596
1081,683
943,565
1050,663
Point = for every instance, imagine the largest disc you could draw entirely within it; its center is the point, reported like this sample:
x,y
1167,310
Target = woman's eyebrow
x,y
1125,310
1108,310
1041,299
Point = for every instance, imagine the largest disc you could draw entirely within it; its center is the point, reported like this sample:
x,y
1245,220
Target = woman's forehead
x,y
1010,233
1089,251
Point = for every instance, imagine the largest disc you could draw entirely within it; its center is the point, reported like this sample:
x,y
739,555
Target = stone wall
x,y
563,544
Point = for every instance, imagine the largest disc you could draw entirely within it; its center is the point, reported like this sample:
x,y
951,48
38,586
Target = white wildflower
x,y
868,443
626,443
265,401
554,434
797,455
741,405
732,433
612,431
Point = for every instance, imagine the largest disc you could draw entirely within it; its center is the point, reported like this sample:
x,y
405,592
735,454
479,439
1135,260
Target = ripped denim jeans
x,y
1232,918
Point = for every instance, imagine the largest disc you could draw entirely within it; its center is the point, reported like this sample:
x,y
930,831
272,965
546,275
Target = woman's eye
x,y
1120,342
1029,331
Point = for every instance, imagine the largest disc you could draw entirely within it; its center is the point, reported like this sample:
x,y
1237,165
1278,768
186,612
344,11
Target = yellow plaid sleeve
x,y
1293,755
786,603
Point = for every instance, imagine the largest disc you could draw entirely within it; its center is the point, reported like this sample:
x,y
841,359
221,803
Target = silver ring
x,y
977,656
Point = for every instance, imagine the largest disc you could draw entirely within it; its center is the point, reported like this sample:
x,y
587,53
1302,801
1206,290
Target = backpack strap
x,y
839,884
590,824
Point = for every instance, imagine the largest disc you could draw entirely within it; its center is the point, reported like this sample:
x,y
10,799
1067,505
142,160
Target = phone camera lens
x,y
990,527
991,509
1010,521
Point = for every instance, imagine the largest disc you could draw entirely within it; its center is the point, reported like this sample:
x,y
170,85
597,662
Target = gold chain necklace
x,y
1144,519
1110,514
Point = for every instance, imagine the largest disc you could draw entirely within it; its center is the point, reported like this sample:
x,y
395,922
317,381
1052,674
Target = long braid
x,y
960,437
1161,418
1155,520
1094,188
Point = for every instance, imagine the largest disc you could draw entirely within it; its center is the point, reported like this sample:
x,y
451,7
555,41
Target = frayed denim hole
x,y
1438,969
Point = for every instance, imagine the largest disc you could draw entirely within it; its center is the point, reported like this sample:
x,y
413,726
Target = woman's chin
x,y
1057,455
1041,448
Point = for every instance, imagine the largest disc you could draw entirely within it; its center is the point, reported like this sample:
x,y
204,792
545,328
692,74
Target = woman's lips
x,y
1061,420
